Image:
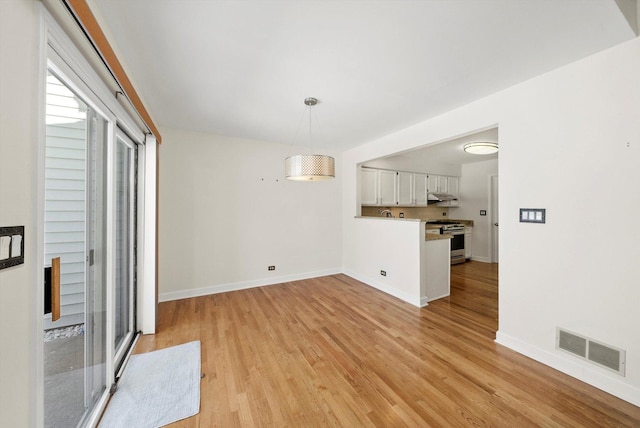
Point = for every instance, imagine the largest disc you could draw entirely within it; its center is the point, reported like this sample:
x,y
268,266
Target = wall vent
x,y
599,353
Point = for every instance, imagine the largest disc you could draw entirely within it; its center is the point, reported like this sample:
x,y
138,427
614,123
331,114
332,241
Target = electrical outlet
x,y
383,272
444,214
272,268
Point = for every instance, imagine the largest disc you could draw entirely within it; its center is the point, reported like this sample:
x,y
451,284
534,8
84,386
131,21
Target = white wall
x,y
566,139
18,172
474,196
227,212
411,164
392,246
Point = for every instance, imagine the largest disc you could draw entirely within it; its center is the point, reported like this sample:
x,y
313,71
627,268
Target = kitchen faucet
x,y
386,213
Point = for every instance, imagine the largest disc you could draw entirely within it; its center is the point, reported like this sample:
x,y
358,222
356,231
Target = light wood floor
x,y
332,351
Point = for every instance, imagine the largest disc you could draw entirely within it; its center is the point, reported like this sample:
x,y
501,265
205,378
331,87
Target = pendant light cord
x,y
295,136
310,140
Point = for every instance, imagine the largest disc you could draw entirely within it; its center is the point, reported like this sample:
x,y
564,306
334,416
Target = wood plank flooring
x,y
332,351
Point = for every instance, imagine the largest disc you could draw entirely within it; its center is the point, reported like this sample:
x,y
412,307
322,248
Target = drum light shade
x,y
481,148
309,167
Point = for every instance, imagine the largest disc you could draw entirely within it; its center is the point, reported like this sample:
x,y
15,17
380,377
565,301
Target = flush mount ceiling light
x,y
481,148
311,167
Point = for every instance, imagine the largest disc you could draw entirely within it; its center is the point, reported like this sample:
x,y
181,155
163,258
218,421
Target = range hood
x,y
440,197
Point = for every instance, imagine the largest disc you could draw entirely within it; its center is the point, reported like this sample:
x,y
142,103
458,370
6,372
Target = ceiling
x,y
243,68
449,152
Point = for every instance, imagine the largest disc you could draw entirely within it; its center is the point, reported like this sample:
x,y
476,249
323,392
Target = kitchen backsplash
x,y
430,212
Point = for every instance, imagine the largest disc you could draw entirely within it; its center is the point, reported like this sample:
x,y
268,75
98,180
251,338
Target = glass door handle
x,y
55,289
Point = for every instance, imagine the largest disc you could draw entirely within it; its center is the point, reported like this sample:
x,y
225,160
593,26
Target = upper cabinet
x,y
420,189
387,188
382,187
405,189
452,185
445,184
438,183
369,186
378,187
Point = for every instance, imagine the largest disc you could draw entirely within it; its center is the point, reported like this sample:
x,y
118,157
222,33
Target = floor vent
x,y
599,353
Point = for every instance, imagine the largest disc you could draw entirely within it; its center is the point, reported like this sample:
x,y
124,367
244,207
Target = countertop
x,y
388,218
434,237
468,223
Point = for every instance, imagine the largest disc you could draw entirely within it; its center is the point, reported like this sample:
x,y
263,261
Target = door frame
x,y
494,231
120,354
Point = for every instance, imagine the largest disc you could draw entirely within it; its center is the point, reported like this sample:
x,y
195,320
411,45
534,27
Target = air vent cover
x,y
572,343
604,355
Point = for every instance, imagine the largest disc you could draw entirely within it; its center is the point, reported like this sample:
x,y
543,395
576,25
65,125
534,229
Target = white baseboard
x,y
384,287
223,288
584,371
431,299
481,259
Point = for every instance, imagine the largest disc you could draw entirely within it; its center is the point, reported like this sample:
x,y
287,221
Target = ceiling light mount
x,y
310,167
481,148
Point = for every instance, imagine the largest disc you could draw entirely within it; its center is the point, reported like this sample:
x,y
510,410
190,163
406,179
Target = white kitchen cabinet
x,y
405,189
468,242
438,183
420,186
380,187
444,184
452,185
432,183
387,185
369,186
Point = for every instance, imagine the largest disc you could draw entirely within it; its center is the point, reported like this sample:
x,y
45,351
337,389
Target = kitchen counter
x,y
400,259
387,218
435,221
434,237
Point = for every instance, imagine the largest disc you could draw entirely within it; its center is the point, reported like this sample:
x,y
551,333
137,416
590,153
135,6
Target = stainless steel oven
x,y
457,242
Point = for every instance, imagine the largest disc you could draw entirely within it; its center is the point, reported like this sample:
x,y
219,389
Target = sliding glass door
x,y
89,251
125,232
75,352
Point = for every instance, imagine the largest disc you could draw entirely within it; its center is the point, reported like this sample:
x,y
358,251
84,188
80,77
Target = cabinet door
x,y
443,184
468,242
432,183
369,186
437,184
387,187
405,189
452,184
420,186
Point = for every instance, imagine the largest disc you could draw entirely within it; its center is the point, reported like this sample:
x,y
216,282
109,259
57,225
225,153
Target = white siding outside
x,y
65,183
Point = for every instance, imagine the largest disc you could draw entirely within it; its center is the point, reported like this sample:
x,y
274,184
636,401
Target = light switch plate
x,y
533,215
11,246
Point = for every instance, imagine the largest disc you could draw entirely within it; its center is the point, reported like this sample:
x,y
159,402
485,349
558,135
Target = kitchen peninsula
x,y
400,259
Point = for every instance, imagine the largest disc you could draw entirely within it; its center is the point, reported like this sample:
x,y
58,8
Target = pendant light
x,y
481,148
309,167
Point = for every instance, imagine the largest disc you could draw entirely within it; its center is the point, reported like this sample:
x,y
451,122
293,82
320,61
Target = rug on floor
x,y
157,388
